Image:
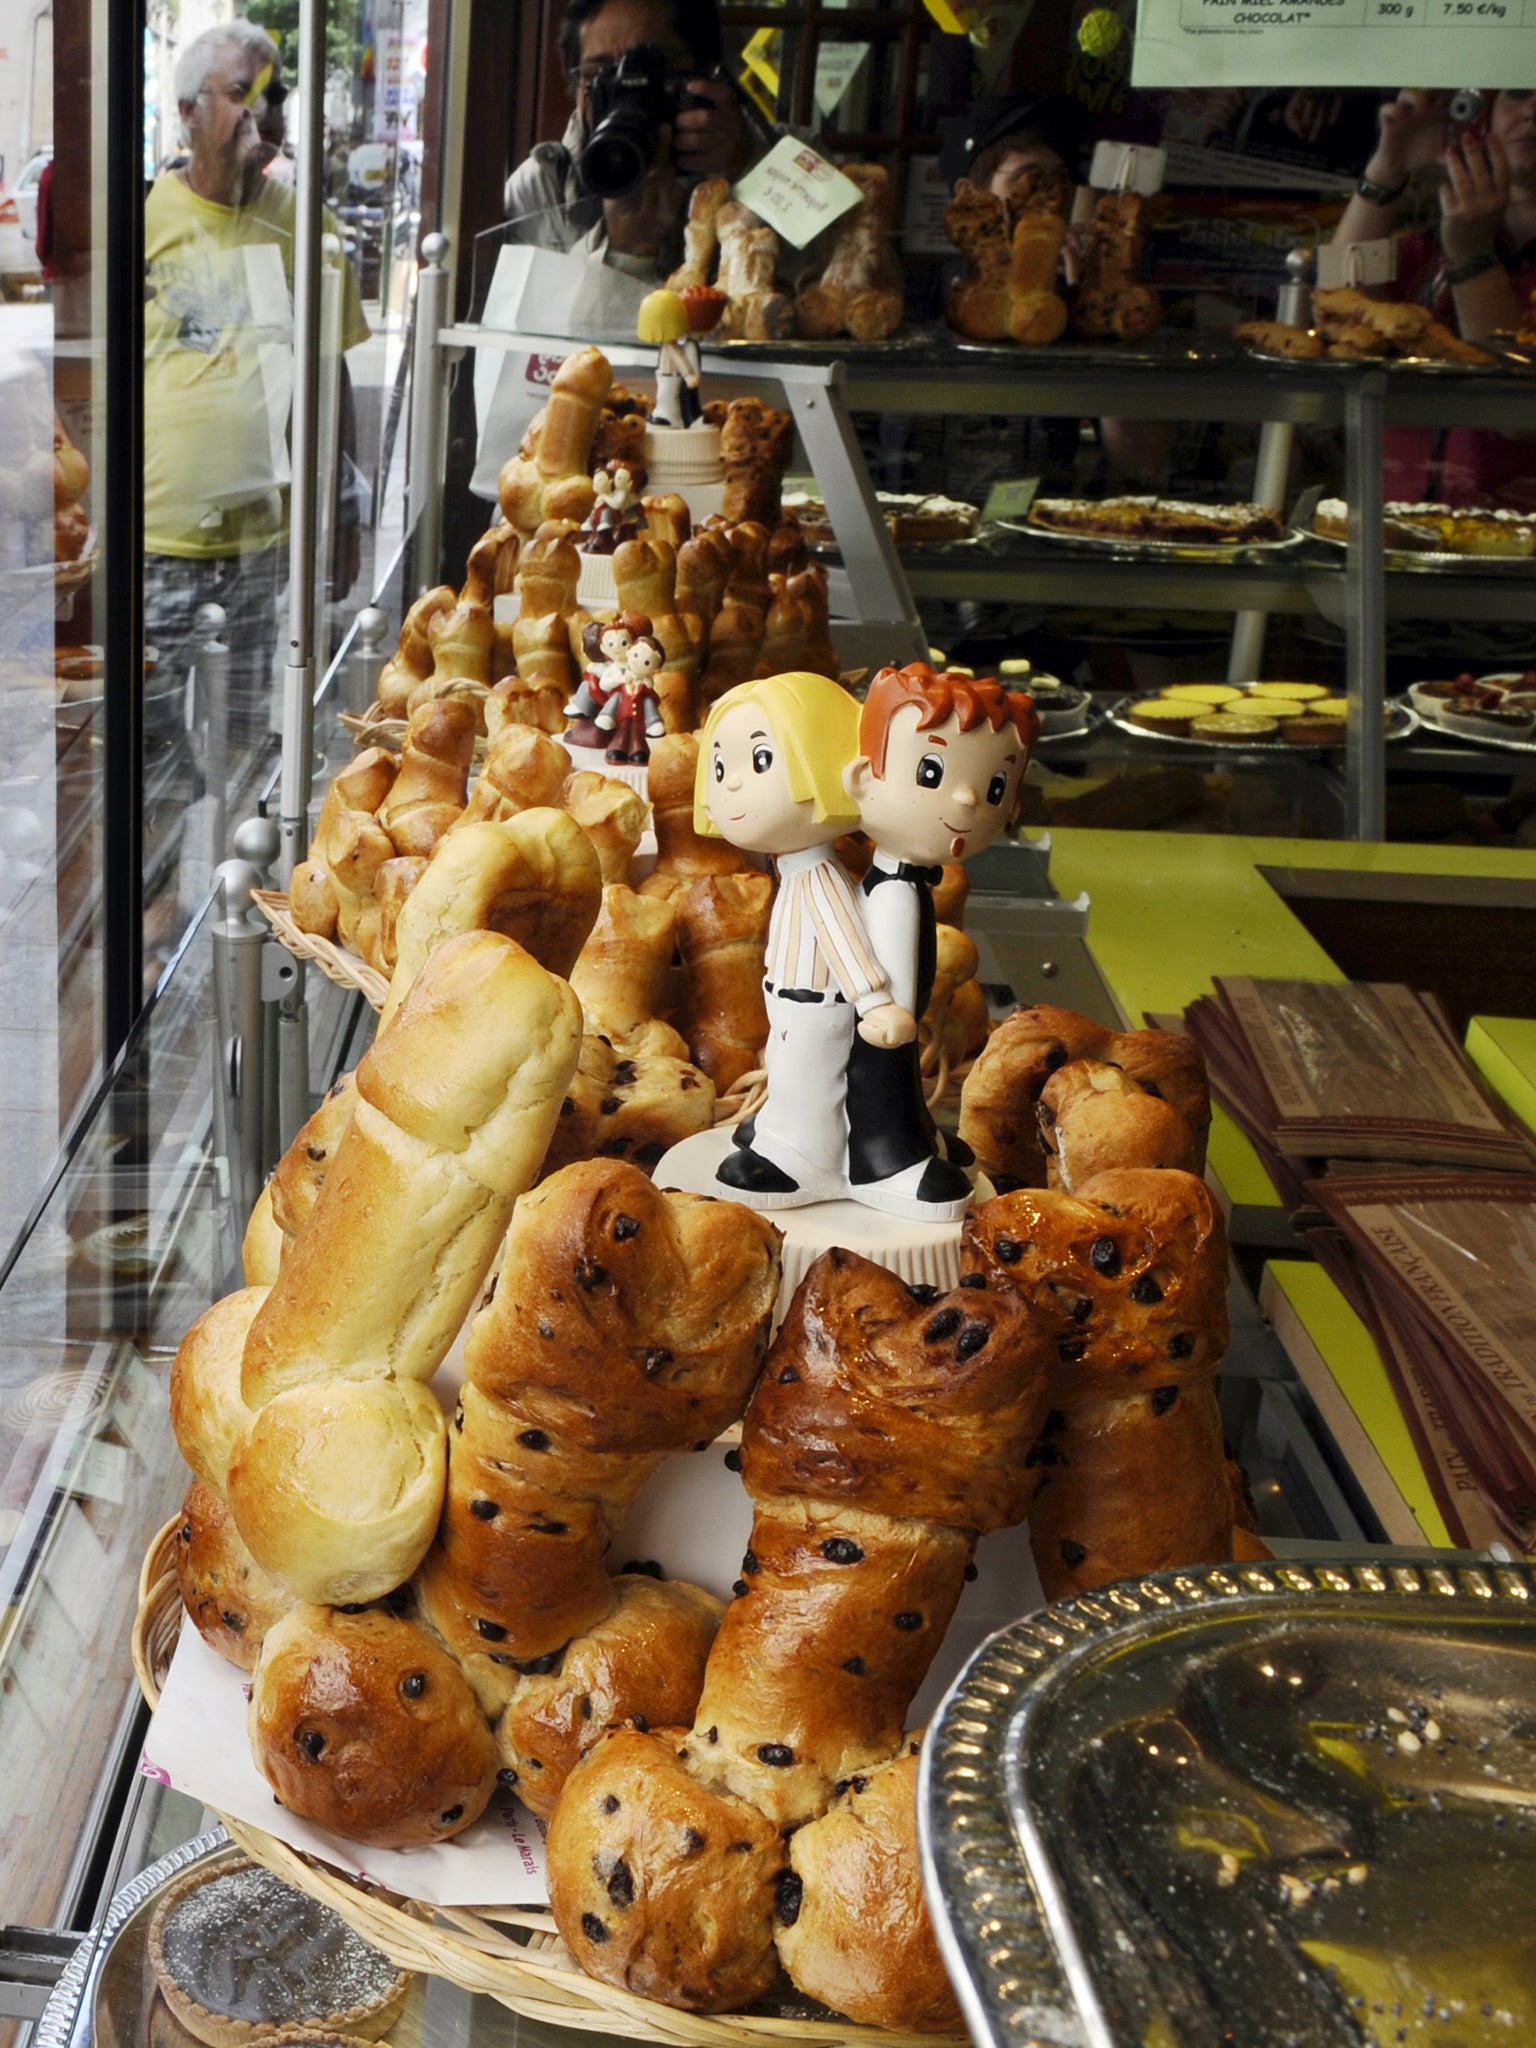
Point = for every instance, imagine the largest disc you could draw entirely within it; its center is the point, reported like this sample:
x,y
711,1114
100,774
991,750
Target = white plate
x,y
1431,723
1402,720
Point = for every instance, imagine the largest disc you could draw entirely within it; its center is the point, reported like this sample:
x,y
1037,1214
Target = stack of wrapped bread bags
x,y
891,1428
1012,250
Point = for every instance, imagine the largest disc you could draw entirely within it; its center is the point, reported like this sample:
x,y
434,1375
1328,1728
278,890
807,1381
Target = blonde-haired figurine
x,y
664,320
770,779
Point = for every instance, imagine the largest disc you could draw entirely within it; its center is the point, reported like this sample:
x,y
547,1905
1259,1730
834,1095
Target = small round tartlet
x,y
240,1956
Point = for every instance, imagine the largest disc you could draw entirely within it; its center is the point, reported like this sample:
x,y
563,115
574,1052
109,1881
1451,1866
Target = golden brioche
x,y
456,1102
1094,1116
231,1600
633,1098
337,1486
644,1660
428,793
262,1247
208,1411
363,1725
722,936
854,1930
532,877
622,969
611,814
661,1886
524,770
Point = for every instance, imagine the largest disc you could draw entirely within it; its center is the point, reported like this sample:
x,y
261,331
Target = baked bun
x,y
660,1886
1094,1117
363,1725
632,1100
338,1486
854,1930
625,962
262,1247
229,1597
208,1411
644,1661
300,1173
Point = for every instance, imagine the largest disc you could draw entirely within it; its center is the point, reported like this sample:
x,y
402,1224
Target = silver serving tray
x,y
1075,1866
1122,547
69,2017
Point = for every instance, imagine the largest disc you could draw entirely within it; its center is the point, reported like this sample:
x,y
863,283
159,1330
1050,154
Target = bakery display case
x,y
1344,578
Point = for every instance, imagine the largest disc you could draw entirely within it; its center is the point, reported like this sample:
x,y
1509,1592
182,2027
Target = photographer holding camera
x,y
654,114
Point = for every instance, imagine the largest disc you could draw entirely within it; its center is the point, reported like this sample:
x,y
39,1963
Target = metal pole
x,y
1365,600
239,1077
213,687
298,669
424,474
328,440
367,658
1272,473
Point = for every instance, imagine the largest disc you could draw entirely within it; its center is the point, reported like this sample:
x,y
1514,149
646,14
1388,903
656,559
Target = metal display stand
x,y
873,597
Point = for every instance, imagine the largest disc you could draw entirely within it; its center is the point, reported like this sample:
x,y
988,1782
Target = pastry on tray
x,y
1165,520
239,1954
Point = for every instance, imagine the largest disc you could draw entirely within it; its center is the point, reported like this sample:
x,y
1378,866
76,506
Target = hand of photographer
x,y
712,142
1473,197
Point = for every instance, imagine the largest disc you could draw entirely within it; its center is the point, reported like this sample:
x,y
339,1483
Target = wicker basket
x,y
515,1957
334,961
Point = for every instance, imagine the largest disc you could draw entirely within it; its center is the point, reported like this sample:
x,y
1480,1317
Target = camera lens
x,y
618,153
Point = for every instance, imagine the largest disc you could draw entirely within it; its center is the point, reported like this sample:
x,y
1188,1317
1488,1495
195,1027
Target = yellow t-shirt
x,y
218,367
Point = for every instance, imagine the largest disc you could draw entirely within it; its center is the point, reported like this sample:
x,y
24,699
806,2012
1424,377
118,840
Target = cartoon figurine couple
x,y
616,703
929,768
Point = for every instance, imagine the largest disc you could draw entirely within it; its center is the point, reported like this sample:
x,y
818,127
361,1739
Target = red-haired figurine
x,y
937,779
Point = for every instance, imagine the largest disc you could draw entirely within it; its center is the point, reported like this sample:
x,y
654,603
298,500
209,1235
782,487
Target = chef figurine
x,y
631,713
664,319
770,780
616,513
604,643
936,778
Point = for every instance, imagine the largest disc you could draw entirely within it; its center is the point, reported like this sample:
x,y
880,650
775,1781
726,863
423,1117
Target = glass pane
x,y
51,681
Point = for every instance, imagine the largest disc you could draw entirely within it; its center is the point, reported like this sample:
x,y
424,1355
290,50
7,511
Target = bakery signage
x,y
797,192
1334,43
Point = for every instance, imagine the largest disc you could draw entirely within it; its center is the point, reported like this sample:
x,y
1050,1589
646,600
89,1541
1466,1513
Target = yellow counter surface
x,y
1171,910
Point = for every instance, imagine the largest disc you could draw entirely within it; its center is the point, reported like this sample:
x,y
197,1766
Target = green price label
x,y
1010,500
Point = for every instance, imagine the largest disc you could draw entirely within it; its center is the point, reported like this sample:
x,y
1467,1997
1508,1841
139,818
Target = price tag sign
x,y
1127,167
837,66
1357,263
1010,499
1333,44
796,191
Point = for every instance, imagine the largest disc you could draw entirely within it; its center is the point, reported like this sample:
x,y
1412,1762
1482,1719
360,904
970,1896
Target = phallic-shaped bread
x,y
541,644
613,817
312,899
660,1886
623,967
634,1099
626,1324
534,878
364,1726
428,793
645,1660
262,1247
208,1411
461,641
524,770
998,1117
963,1031
1127,1282
300,1173
956,961
645,576
231,1601
519,700
854,1930
1094,1117
412,659
1037,317
701,239
392,885
722,933
1136,1485
456,1102
337,1486
549,570
755,445
950,894
734,642
667,517
703,564
492,565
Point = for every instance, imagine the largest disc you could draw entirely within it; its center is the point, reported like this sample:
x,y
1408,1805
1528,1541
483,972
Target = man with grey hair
x,y
218,370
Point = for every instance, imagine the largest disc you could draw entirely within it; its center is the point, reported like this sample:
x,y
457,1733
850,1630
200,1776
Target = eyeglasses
x,y
679,64
262,87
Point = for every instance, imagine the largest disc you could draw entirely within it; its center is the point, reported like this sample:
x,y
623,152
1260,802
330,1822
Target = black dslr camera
x,y
631,102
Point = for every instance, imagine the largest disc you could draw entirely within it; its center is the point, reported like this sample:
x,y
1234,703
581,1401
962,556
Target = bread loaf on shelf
x,y
551,476
428,794
859,289
722,936
411,662
622,970
632,1098
229,1597
999,1100
1094,1116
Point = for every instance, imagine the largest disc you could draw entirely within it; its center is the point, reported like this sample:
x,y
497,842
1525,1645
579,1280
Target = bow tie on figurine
x,y
904,871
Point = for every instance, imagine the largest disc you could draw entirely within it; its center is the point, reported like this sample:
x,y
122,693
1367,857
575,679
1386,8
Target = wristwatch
x,y
1380,195
1475,266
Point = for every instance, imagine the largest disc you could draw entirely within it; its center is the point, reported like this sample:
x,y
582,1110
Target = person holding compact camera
x,y
654,114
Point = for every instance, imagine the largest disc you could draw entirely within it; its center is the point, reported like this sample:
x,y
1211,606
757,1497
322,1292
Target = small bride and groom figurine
x,y
616,705
929,767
